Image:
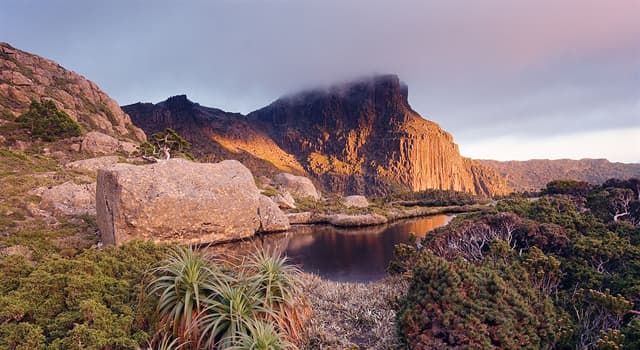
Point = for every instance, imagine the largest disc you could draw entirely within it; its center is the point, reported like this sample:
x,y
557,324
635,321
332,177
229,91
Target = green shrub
x,y
89,301
46,122
462,305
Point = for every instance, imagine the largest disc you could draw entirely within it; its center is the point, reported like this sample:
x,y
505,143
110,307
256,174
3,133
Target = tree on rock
x,y
165,144
47,122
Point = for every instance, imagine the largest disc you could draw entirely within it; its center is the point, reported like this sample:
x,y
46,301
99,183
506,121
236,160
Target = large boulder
x,y
69,199
181,201
298,186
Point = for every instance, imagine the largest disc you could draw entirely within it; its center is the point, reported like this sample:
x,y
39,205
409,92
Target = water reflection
x,y
354,254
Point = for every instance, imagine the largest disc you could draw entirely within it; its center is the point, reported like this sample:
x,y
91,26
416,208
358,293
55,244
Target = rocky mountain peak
x,y
178,102
358,137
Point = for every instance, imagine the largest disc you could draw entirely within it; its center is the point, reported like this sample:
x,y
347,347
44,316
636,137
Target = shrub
x,y
91,298
459,304
46,122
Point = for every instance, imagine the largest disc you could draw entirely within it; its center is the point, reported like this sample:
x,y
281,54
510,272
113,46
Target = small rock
x,y
356,201
284,200
272,219
21,145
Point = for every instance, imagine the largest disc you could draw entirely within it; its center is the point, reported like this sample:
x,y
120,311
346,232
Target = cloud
x,y
482,69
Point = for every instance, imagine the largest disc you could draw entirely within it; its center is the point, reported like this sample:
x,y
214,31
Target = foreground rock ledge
x,y
181,201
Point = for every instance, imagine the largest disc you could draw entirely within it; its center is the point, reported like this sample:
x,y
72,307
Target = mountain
x,y
215,134
358,137
532,175
25,77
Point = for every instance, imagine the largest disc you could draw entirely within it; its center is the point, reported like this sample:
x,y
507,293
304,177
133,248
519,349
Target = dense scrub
x,y
89,301
560,271
46,122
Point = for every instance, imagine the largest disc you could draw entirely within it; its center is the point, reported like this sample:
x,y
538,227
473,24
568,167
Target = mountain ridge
x,y
356,137
534,174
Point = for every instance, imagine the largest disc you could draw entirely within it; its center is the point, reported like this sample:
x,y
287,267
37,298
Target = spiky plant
x,y
276,281
263,336
233,310
278,286
184,280
163,342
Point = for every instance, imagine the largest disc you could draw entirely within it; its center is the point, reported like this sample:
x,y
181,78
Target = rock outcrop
x,y
181,201
25,77
533,175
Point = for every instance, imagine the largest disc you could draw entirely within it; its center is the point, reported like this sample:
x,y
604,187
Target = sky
x,y
509,79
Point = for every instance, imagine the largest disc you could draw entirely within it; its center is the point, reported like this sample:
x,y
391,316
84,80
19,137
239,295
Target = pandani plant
x,y
205,303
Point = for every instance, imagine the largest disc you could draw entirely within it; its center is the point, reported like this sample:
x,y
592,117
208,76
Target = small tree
x,y
47,122
162,145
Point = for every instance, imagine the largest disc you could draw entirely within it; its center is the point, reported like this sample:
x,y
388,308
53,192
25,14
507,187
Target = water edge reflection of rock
x,y
341,254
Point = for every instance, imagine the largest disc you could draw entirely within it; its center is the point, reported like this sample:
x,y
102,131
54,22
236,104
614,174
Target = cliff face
x,y
533,175
355,138
363,137
25,77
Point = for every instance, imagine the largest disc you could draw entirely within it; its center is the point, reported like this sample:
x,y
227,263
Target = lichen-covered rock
x,y
355,201
93,164
298,186
180,201
25,77
69,199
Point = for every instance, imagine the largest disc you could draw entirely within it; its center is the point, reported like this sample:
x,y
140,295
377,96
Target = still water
x,y
344,254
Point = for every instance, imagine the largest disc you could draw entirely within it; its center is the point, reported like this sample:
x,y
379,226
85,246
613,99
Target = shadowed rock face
x,y
355,138
25,77
214,134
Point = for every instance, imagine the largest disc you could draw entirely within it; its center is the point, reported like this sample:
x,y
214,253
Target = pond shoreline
x,y
373,219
